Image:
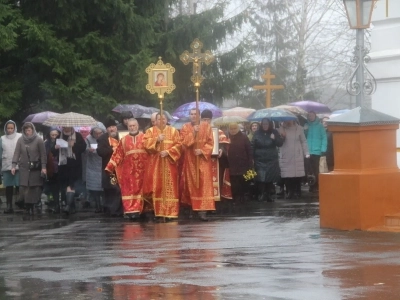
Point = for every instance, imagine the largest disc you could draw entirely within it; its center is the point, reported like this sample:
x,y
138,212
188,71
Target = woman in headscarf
x,y
30,156
70,166
266,162
240,158
8,142
94,166
254,126
52,183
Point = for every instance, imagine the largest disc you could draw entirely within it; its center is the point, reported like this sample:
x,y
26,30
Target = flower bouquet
x,y
249,175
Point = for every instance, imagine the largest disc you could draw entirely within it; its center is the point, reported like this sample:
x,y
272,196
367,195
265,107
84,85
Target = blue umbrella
x,y
184,110
274,114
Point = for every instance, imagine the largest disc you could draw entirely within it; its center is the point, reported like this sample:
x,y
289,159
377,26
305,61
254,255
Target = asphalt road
x,y
250,251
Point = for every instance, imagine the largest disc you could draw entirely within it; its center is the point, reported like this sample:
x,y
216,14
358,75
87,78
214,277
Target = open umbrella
x,y
274,114
148,116
308,106
137,110
238,112
39,118
179,123
298,111
184,110
338,113
70,119
226,120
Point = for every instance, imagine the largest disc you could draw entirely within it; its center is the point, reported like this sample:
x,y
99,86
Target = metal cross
x,y
197,57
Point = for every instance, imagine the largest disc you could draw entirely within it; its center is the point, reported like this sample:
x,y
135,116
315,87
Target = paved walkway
x,y
252,251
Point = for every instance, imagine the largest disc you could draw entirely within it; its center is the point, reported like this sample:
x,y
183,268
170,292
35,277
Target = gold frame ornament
x,y
161,73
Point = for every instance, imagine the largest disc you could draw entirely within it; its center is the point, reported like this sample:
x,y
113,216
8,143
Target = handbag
x,y
33,165
323,166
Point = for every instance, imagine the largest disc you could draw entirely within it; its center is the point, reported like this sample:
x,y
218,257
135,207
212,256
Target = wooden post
x,y
268,87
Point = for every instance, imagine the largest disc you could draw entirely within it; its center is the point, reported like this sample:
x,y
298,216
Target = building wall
x,y
385,60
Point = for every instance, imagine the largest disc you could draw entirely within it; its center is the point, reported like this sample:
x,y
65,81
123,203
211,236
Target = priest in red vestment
x,y
161,177
198,142
131,157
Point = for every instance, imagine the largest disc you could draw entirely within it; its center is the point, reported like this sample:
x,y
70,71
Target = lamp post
x,y
359,13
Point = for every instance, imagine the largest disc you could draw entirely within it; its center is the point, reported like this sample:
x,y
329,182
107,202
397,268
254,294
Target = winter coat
x,y
105,151
37,152
7,147
329,151
93,166
52,155
292,152
240,156
316,137
72,171
265,154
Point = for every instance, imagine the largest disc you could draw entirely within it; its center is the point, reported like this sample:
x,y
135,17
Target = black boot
x,y
261,191
9,198
268,192
9,209
203,215
70,203
289,187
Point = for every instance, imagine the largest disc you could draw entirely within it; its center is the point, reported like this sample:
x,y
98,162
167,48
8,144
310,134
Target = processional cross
x,y
268,87
197,57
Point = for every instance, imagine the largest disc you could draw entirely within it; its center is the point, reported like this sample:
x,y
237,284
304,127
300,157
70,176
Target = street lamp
x,y
359,13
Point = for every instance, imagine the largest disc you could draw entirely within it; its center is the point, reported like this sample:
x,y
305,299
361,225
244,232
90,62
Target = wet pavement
x,y
251,251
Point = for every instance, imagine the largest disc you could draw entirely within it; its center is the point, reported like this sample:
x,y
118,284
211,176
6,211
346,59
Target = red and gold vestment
x,y
201,198
130,159
161,179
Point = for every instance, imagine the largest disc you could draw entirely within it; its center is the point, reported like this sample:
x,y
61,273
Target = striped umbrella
x,y
70,119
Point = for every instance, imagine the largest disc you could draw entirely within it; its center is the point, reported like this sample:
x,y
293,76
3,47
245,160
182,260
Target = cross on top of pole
x,y
268,87
197,57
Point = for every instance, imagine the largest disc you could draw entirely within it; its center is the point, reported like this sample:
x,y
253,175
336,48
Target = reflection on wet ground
x,y
253,251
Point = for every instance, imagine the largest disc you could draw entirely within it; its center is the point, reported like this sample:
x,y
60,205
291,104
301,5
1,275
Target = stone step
x,y
385,229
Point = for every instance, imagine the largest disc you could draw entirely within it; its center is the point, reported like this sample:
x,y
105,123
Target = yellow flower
x,y
250,174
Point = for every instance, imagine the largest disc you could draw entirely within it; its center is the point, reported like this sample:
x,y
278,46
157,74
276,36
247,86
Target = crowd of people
x,y
156,171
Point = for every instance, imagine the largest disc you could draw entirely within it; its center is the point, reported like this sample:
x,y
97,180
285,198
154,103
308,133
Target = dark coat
x,y
265,154
105,151
36,152
72,171
240,156
329,151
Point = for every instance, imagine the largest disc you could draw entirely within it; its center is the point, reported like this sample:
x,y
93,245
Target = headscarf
x,y
98,126
28,139
270,127
12,135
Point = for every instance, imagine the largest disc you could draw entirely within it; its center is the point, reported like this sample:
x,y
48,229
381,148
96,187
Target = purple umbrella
x,y
184,110
39,118
308,106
